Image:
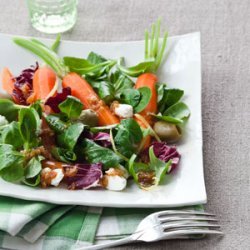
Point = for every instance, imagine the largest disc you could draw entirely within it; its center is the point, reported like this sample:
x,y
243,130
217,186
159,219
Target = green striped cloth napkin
x,y
29,225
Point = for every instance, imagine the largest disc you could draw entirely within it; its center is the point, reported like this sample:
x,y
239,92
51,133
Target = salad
x,y
92,122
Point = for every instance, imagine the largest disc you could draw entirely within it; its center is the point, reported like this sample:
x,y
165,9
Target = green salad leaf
x,y
72,107
11,167
79,65
105,91
37,106
13,173
55,123
135,167
85,67
68,138
169,104
170,97
11,135
120,82
169,119
30,127
113,87
63,155
128,137
33,167
175,114
131,97
96,154
160,87
33,170
156,166
94,58
178,111
9,109
138,69
159,167
146,94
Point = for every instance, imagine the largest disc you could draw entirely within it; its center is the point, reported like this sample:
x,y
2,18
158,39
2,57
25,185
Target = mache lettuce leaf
x,y
95,153
155,170
128,137
32,171
12,161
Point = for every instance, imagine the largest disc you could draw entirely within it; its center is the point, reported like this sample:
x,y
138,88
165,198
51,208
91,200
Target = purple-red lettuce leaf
x,y
26,76
87,176
54,101
164,153
101,138
23,86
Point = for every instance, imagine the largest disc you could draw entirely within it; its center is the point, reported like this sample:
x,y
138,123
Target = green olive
x,y
167,131
88,117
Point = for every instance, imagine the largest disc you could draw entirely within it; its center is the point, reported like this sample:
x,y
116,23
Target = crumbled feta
x,y
56,181
46,170
119,170
3,121
124,110
115,182
59,175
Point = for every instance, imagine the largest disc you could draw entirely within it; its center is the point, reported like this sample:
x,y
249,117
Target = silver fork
x,y
168,224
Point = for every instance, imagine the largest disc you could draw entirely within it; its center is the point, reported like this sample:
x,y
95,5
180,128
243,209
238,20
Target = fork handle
x,y
114,243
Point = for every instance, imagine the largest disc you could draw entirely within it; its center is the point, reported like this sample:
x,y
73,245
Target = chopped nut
x,y
146,179
113,106
70,171
95,103
37,151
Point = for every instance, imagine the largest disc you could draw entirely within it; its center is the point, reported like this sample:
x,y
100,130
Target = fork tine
x,y
193,218
192,225
190,232
173,212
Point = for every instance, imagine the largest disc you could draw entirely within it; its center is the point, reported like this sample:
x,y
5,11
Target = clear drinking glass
x,y
52,16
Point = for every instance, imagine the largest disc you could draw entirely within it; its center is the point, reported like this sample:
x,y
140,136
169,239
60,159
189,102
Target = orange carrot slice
x,y
146,139
7,80
148,80
81,89
43,82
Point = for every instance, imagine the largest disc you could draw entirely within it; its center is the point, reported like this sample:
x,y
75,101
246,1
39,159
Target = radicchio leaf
x,y
101,138
23,85
163,152
54,101
87,176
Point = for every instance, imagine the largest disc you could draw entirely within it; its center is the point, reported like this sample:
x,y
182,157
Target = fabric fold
x,y
39,226
16,213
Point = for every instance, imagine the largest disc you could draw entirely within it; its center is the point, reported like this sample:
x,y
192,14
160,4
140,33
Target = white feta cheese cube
x,y
46,170
124,111
59,176
115,182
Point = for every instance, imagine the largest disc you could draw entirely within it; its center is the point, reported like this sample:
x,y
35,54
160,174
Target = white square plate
x,y
181,70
